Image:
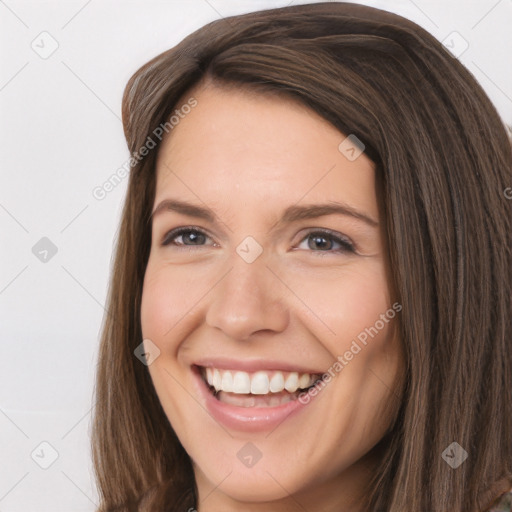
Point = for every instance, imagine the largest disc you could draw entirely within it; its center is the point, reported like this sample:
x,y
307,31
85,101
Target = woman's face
x,y
279,277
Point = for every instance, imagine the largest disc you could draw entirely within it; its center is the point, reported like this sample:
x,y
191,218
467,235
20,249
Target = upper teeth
x,y
258,383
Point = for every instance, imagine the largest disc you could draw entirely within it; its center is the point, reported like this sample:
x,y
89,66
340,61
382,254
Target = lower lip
x,y
247,419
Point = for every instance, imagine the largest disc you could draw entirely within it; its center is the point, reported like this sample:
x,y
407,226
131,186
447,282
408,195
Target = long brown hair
x,y
443,163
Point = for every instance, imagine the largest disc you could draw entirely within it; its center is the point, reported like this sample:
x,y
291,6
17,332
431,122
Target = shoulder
x,y
503,504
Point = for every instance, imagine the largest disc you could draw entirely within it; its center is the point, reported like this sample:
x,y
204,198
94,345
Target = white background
x,y
61,136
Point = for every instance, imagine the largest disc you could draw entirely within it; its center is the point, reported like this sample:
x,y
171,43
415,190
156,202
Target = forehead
x,y
256,149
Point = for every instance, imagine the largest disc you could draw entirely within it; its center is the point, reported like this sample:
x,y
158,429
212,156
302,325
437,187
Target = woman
x,y
310,302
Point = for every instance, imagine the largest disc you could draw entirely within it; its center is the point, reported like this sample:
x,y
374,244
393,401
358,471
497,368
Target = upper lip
x,y
254,365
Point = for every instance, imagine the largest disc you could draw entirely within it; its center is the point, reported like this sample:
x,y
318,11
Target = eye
x,y
324,240
195,236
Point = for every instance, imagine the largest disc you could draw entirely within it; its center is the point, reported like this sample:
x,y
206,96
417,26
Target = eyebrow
x,y
291,214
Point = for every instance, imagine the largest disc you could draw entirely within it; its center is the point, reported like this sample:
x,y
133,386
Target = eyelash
x,y
346,245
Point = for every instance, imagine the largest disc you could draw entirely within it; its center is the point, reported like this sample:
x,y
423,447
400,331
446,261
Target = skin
x,y
248,156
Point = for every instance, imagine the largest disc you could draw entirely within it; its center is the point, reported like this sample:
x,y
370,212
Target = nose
x,y
247,300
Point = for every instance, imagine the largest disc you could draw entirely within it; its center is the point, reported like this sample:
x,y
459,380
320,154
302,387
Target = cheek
x,y
155,297
164,301
355,322
345,302
339,305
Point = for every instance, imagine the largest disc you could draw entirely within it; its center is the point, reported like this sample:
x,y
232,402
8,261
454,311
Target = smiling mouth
x,y
256,389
